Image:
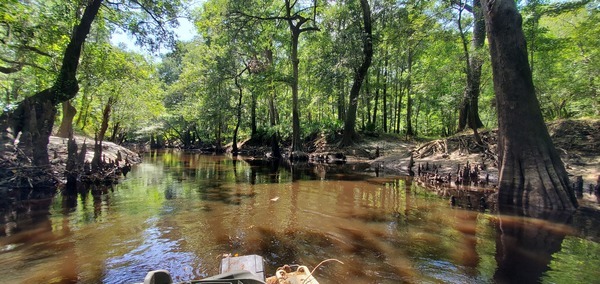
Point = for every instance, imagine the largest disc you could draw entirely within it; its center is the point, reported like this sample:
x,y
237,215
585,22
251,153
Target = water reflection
x,y
161,247
525,244
182,212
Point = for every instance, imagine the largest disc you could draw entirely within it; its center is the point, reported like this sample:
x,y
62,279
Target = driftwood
x,y
463,144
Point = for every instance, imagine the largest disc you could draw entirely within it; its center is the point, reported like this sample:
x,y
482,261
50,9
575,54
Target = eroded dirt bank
x,y
578,142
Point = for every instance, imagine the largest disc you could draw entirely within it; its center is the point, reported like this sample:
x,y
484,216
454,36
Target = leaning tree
x,y
33,117
359,74
531,171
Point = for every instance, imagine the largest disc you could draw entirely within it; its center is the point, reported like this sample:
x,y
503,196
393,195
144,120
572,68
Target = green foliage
x,y
192,90
577,259
108,72
563,50
32,39
418,52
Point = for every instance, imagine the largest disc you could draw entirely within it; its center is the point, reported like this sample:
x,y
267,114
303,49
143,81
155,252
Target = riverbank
x,y
576,140
17,173
392,154
111,152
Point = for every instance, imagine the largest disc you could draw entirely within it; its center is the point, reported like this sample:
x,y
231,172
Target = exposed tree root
x,y
465,144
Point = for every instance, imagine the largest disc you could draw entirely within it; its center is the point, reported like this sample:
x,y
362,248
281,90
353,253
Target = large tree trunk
x,y
34,116
295,23
34,120
469,107
66,125
350,123
531,171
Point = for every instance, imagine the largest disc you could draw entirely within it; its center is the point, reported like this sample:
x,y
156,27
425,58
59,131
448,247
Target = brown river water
x,y
182,212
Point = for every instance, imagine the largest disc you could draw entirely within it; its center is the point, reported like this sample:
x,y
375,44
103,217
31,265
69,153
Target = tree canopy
x,y
285,68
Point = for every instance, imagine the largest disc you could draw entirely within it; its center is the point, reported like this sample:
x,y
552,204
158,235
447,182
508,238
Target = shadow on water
x,y
27,230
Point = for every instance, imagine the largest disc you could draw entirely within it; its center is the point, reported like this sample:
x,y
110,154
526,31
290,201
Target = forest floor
x,y
578,142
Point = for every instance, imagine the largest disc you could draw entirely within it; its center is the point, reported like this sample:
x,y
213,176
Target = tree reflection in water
x,y
182,211
525,243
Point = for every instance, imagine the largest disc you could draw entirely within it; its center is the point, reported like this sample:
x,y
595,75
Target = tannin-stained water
x,y
181,212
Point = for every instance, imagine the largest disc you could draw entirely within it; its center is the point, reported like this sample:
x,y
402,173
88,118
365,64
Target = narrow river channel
x,y
182,212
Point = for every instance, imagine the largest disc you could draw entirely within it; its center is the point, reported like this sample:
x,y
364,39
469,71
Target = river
x,y
183,212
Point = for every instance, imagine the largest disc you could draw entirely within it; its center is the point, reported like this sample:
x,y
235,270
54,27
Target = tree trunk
x,y
341,102
275,151
399,90
66,125
374,119
367,98
34,116
361,72
253,127
114,137
96,161
296,139
384,109
531,171
469,107
385,105
234,148
409,100
34,119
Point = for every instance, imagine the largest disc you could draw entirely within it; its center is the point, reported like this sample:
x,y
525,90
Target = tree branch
x,y
463,5
18,67
262,18
158,21
294,4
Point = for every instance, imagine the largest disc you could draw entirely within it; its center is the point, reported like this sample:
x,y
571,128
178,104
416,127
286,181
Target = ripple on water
x,y
155,252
